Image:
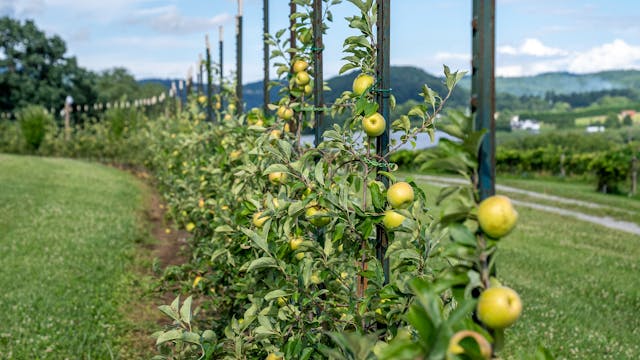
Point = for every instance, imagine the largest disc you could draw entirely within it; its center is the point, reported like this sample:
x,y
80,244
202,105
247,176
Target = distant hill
x,y
406,84
564,82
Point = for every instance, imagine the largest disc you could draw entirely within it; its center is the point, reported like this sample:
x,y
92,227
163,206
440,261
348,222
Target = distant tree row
x,y
35,69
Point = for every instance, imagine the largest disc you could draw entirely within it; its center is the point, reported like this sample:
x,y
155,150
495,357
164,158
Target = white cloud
x,y
168,19
615,55
531,47
445,56
509,71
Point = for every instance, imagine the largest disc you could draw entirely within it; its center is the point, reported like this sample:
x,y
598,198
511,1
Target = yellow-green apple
x,y
496,216
400,195
499,307
374,125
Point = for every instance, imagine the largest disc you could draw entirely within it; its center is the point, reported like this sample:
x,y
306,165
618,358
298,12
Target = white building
x,y
526,124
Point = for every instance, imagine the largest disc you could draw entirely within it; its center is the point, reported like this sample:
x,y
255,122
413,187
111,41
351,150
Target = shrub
x,y
34,122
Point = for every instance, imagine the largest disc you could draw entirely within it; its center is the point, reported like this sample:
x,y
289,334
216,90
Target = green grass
x,y
579,284
575,190
68,233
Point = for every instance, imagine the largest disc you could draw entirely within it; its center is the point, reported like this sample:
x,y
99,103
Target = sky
x,y
162,38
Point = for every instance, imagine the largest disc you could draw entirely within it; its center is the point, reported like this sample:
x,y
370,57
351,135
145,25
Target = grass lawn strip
x,y
68,234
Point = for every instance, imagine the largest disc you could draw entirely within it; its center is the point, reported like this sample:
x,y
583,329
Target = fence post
x,y
265,54
220,51
239,59
209,80
293,123
383,74
200,77
483,91
318,95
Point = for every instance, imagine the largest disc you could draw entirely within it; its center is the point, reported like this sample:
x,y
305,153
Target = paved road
x,y
606,221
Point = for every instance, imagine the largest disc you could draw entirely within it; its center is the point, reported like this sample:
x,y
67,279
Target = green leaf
x,y
260,263
275,168
259,241
185,310
169,336
462,235
275,294
191,337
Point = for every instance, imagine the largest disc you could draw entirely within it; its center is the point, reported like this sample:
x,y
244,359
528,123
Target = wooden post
x,y
200,74
67,120
293,123
318,47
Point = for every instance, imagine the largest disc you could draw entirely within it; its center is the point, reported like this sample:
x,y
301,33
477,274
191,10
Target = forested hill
x,y
406,84
565,83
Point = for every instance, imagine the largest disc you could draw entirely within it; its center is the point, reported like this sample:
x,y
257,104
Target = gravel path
x,y
606,221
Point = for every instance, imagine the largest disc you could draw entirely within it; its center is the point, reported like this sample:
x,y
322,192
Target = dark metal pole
x,y
221,46
200,74
293,123
265,31
383,93
483,91
209,80
239,59
318,47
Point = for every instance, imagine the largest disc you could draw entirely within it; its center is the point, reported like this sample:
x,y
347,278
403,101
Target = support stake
x,y
383,75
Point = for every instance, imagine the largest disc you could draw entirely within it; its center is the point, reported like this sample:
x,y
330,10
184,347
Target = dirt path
x,y
606,221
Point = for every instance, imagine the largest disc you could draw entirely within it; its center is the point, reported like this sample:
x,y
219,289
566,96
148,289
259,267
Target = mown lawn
x,y
68,234
579,284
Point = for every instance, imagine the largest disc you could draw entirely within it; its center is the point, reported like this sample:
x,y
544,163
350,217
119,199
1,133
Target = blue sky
x,y
162,38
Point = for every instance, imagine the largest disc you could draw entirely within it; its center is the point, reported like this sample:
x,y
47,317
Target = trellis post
x,y
239,59
220,53
318,47
265,54
483,91
383,92
209,80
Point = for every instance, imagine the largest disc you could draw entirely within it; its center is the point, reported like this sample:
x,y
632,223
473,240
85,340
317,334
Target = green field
x,y
68,234
578,282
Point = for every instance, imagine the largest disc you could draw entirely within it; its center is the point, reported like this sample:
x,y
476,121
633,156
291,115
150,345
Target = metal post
x,y
209,80
293,123
200,75
239,59
220,50
483,91
265,54
383,93
318,47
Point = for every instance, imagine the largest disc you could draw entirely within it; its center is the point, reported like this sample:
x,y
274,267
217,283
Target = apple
x,y
218,106
308,89
317,216
300,65
275,134
499,307
231,107
235,155
294,243
483,343
202,99
302,78
374,125
315,279
400,195
287,128
273,356
278,178
227,117
259,220
305,36
300,255
392,219
361,83
282,301
284,112
496,216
